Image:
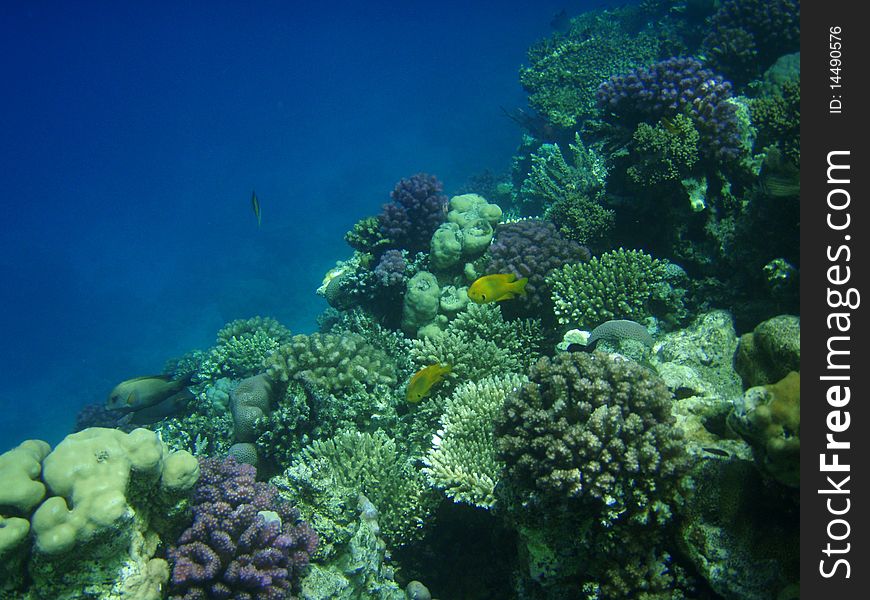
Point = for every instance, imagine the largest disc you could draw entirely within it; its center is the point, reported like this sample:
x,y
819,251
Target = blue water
x,y
132,137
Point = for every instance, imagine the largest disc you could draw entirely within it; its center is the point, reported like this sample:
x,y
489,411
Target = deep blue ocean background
x,y
131,137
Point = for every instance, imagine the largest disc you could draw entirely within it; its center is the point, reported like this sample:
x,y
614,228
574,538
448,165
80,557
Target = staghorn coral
x,y
622,284
462,460
591,427
417,209
564,71
335,363
531,248
245,541
356,463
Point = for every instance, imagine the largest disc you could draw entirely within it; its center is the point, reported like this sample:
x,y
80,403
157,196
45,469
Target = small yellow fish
x,y
255,204
495,288
422,381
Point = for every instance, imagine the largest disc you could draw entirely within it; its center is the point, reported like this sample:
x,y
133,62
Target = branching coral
x,y
622,284
245,541
666,152
682,85
370,464
417,209
778,118
569,193
591,427
532,248
463,460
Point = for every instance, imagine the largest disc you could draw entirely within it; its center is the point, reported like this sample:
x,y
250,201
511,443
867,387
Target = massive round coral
x,y
591,427
245,541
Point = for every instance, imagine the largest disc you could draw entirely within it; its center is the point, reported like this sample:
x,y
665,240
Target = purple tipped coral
x,y
417,209
532,248
673,86
245,543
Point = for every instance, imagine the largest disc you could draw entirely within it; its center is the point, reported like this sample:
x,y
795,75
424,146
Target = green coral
x,y
620,284
463,460
667,151
369,464
338,364
366,236
565,71
777,116
420,306
242,348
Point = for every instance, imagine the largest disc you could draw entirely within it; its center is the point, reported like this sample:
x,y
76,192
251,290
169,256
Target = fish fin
x,y
144,377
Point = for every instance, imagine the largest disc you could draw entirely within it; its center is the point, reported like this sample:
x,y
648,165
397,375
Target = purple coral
x,y
673,86
245,543
532,248
390,270
417,209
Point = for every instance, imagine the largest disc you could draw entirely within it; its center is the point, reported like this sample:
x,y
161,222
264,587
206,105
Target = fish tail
x,y
519,287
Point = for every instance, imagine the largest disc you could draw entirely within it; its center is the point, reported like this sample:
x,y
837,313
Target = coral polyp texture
x,y
245,541
418,207
680,85
591,427
532,248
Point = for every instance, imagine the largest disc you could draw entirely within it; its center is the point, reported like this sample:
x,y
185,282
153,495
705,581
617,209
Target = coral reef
x,y
564,71
105,499
417,209
352,463
593,427
532,248
463,460
681,85
245,541
666,152
622,284
241,348
747,36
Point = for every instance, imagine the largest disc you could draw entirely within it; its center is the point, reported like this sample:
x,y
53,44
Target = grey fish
x,y
255,205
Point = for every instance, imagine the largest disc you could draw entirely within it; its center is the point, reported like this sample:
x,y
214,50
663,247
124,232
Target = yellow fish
x,y
255,204
422,381
495,288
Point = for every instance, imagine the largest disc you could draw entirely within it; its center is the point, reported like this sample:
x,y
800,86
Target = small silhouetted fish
x,y
255,205
561,22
